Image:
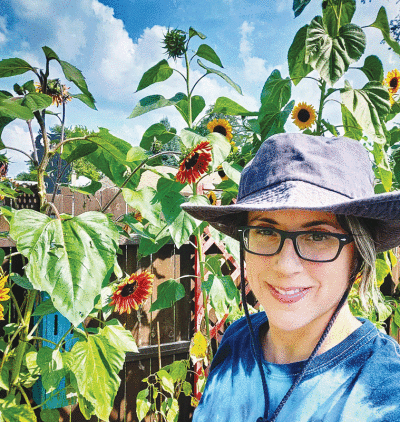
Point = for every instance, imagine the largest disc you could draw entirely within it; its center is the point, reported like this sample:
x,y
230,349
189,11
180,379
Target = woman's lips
x,y
288,295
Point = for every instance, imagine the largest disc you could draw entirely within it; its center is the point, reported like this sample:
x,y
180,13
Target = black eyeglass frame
x,y
344,239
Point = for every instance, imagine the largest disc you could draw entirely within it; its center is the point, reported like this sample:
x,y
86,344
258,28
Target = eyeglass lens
x,y
314,246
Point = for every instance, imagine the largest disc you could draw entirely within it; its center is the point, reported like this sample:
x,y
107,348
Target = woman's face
x,y
295,292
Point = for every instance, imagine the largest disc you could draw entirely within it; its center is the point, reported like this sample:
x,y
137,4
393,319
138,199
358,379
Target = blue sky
x,y
114,41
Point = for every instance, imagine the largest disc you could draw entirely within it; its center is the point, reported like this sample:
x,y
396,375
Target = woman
x,y
308,222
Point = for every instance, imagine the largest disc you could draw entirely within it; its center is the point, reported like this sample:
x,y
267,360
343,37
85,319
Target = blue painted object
x,y
53,327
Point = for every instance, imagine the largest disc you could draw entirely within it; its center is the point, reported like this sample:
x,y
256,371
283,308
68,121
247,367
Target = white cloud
x,y
246,46
3,29
284,6
70,36
32,8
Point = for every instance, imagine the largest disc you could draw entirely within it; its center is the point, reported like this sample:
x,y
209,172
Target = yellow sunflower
x,y
392,81
212,197
132,292
221,126
221,173
304,115
3,294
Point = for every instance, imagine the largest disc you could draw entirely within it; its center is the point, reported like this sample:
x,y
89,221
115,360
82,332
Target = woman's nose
x,y
287,261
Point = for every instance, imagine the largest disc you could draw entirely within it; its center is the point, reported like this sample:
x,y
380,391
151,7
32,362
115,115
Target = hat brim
x,y
383,209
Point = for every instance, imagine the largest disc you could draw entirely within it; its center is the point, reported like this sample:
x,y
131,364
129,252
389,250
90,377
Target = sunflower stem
x,y
321,106
189,94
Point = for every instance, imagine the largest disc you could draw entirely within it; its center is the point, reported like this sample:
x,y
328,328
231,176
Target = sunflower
x,y
212,197
304,115
221,173
58,92
132,292
221,126
195,163
392,81
3,294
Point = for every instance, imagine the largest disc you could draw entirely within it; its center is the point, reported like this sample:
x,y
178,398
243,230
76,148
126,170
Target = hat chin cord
x,y
257,351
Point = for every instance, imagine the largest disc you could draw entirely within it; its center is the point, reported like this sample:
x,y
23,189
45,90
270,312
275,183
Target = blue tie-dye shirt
x,y
357,380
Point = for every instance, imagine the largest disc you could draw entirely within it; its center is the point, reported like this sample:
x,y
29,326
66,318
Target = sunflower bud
x,y
174,43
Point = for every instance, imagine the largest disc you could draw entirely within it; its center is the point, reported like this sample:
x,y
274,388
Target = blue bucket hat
x,y
305,172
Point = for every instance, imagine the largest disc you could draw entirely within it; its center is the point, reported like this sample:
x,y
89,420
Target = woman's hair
x,y
365,259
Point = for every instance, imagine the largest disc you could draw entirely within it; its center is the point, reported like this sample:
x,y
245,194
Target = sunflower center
x,y
191,162
220,129
211,200
129,289
221,173
303,115
394,82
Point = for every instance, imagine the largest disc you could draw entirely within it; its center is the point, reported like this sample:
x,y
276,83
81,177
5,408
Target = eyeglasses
x,y
315,246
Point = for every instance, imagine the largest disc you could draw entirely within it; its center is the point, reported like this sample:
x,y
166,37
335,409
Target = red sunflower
x,y
132,292
195,163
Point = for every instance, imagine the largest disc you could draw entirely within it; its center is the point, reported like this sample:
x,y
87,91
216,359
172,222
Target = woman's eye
x,y
318,237
264,232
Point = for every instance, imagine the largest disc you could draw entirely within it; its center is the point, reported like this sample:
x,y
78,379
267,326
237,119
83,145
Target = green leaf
x,y
68,259
49,415
381,22
168,293
153,102
11,411
166,381
90,189
158,131
198,105
190,139
206,52
232,171
74,75
352,128
222,292
272,118
86,99
50,54
193,32
119,337
158,73
222,75
368,106
299,6
148,247
229,107
276,90
229,191
137,154
180,224
333,56
173,411
373,68
95,363
143,201
383,167
382,270
142,404
36,101
51,368
2,255
4,121
79,151
14,110
220,148
45,308
14,66
330,127
29,86
187,388
337,14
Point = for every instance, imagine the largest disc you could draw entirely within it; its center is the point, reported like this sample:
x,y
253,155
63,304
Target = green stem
x,y
23,341
321,106
17,308
42,339
25,396
189,94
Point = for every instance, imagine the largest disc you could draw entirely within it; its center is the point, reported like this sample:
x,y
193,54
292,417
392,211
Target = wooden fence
x,y
175,324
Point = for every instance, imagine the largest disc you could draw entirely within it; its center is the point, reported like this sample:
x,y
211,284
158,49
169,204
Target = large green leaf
x,y
4,121
153,102
298,68
206,52
220,148
95,363
158,131
276,90
14,66
373,68
381,22
86,99
51,368
78,151
180,224
50,54
12,411
37,101
332,56
119,337
190,139
142,404
147,246
368,105
68,259
74,75
193,33
229,107
299,6
337,14
143,201
221,75
352,128
198,105
14,110
272,118
168,293
110,157
158,73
